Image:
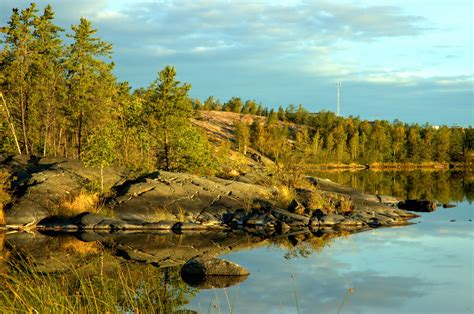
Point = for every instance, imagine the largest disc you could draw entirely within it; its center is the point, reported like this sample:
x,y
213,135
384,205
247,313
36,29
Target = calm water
x,y
426,267
423,268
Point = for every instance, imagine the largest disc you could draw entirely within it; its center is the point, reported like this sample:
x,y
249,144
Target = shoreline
x,y
183,202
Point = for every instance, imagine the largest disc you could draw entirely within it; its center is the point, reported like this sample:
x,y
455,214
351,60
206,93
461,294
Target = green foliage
x,y
242,135
100,151
180,147
191,152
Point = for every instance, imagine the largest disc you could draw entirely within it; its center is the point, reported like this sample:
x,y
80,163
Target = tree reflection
x,y
440,186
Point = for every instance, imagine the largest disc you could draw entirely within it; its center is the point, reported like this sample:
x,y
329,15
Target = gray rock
x,y
331,219
351,222
448,205
160,225
201,266
179,226
296,207
388,199
290,218
418,205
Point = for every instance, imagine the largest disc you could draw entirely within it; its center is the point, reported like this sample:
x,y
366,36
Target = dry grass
x,y
317,201
80,203
162,213
4,195
283,195
72,245
336,203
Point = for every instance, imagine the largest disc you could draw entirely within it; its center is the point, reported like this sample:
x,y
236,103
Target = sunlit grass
x,y
102,285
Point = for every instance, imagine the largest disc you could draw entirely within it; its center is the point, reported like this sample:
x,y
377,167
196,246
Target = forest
x,y
62,99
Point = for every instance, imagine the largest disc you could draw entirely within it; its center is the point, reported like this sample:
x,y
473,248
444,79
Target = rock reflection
x,y
125,269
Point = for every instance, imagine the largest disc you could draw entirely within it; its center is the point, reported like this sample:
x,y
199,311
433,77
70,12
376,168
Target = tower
x,y
338,84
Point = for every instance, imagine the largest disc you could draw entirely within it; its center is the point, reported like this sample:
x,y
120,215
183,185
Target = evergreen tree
x,y
208,103
17,57
242,134
90,82
281,114
180,146
47,81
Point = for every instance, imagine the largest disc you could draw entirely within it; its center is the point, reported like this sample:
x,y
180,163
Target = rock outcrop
x,y
184,203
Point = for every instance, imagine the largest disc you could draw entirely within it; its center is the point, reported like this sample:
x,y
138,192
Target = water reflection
x,y
425,267
442,186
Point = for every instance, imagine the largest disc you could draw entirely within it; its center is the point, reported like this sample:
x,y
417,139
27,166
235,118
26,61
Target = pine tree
x,y
168,109
90,81
242,134
47,80
17,57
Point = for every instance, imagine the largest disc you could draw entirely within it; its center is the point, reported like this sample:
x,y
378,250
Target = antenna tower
x,y
338,84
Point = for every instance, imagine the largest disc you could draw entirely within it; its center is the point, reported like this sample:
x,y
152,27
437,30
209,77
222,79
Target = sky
x,y
406,60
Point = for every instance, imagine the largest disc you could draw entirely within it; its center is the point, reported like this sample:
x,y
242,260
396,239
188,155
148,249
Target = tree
x,y
272,118
90,81
442,144
169,109
47,81
301,116
208,103
316,146
413,143
242,134
354,146
257,134
191,152
281,114
180,146
100,151
17,57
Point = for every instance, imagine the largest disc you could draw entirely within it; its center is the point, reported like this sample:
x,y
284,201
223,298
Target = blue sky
x,y
406,60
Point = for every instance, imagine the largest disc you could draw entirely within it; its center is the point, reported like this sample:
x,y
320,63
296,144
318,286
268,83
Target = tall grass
x,y
4,195
105,285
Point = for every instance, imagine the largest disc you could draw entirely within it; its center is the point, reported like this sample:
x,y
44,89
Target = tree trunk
x,y
10,122
167,151
24,113
101,178
79,136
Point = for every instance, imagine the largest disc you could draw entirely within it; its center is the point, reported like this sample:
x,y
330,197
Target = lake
x,y
425,267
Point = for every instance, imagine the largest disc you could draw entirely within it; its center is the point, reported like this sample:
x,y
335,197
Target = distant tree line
x,y
324,137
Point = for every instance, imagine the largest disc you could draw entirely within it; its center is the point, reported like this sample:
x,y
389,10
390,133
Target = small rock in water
x,y
207,273
201,266
452,220
418,205
448,205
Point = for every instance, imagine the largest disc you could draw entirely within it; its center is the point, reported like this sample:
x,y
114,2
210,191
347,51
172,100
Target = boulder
x,y
388,200
205,266
160,225
290,218
93,221
418,205
43,185
183,197
331,219
296,207
448,205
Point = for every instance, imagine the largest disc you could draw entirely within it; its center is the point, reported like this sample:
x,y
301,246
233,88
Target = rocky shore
x,y
180,202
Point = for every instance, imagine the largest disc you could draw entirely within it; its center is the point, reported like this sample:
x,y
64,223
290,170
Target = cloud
x,y
283,52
